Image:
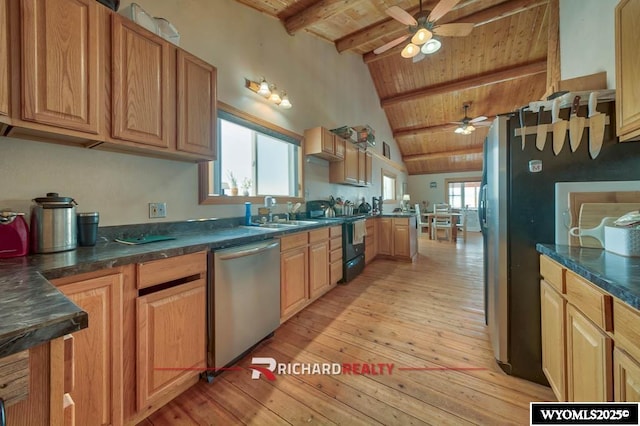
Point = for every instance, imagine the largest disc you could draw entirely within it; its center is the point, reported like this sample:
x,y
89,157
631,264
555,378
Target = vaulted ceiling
x,y
500,66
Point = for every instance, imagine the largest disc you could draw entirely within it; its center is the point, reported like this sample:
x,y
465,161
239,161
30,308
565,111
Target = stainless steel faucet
x,y
269,202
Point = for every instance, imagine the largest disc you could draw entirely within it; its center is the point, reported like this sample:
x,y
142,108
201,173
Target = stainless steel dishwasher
x,y
244,299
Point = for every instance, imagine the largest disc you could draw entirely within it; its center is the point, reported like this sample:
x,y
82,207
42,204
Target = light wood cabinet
x,y
370,241
627,28
626,377
197,118
397,238
143,86
385,236
294,281
346,171
362,161
98,350
589,359
553,307
5,81
171,331
322,143
335,255
368,167
61,64
318,268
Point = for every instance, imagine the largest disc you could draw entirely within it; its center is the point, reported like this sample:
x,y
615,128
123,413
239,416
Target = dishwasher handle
x,y
248,252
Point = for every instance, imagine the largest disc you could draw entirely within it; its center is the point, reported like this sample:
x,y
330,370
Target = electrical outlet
x,y
157,210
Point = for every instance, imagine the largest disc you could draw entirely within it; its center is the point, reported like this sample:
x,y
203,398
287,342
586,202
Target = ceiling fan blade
x,y
483,123
477,119
392,43
402,15
454,30
420,56
442,8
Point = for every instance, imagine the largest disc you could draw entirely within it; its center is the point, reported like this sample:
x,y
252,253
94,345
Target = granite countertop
x,y
33,311
618,275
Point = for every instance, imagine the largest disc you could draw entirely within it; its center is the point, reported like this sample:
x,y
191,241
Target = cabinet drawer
x,y
166,270
292,241
335,255
626,326
335,231
318,235
14,378
335,243
553,273
401,221
335,272
593,302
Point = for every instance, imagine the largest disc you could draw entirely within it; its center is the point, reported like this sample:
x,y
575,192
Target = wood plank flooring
x,y
426,318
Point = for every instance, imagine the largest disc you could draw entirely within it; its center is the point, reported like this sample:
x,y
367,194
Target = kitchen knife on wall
x,y
541,131
559,127
596,126
576,125
522,127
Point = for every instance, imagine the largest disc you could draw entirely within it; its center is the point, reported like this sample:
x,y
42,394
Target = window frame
x,y
458,180
390,175
206,193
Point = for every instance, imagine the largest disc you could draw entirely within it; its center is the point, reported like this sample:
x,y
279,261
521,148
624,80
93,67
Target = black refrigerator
x,y
517,211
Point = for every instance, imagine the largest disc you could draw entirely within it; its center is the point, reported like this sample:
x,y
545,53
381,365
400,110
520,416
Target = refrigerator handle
x,y
482,207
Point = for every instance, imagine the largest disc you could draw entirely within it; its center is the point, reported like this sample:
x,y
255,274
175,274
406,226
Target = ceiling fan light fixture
x,y
422,36
431,46
470,128
409,51
459,130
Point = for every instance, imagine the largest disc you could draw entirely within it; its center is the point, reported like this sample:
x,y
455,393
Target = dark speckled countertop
x,y
33,311
618,275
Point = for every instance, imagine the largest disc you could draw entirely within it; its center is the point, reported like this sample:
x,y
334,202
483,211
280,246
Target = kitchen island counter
x,y
615,274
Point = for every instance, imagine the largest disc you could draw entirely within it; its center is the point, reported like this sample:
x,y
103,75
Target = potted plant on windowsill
x,y
246,186
233,182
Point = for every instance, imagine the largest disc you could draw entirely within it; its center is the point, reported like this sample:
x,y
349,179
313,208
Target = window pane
x,y
275,176
388,188
236,156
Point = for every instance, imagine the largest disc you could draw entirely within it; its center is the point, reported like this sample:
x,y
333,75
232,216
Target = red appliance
x,y
14,234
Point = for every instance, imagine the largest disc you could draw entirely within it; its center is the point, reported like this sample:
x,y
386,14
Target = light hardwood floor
x,y
428,314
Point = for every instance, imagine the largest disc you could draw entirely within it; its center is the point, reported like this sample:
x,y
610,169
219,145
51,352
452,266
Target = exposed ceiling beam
x,y
500,76
476,166
553,47
420,130
443,154
317,12
482,17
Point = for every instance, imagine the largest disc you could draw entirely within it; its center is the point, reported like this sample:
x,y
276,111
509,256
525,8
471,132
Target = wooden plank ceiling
x,y
500,66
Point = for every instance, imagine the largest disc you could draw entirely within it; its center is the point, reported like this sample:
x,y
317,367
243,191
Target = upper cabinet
x,y
196,105
627,63
143,76
61,64
322,143
4,58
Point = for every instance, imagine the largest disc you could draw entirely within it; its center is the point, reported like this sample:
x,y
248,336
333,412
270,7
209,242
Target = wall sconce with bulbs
x,y
269,92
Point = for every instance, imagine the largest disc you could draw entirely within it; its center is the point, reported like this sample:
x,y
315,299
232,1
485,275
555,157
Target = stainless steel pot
x,y
53,224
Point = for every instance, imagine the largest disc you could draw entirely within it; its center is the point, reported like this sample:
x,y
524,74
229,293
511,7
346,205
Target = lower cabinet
x,y
335,255
385,236
589,360
370,241
626,376
97,350
397,237
553,307
294,281
318,268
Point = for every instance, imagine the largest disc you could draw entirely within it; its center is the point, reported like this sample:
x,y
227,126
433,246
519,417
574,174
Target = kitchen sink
x,y
277,225
301,222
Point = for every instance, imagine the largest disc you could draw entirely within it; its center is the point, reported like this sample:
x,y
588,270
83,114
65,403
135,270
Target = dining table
x,y
454,219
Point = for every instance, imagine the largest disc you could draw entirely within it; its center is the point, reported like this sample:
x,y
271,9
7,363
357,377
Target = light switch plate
x,y
157,210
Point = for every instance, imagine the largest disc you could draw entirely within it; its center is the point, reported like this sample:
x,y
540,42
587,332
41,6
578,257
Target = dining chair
x,y
421,224
441,220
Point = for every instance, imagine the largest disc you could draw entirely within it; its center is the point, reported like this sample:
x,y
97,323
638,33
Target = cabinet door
x,y
98,354
552,312
318,268
143,102
327,142
589,364
61,63
362,161
351,163
196,106
339,144
626,377
401,241
294,280
4,58
368,168
627,59
171,332
384,236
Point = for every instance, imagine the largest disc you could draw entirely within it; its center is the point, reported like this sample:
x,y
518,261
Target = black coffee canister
x,y
88,228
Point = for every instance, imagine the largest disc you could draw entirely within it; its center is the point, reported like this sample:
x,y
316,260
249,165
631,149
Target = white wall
x,y
587,38
326,89
419,186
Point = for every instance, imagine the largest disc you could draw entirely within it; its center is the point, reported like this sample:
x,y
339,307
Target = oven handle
x,y
248,252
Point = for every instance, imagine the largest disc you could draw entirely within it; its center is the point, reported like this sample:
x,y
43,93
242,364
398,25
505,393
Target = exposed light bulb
x,y
422,36
409,51
470,128
264,89
285,101
431,46
459,130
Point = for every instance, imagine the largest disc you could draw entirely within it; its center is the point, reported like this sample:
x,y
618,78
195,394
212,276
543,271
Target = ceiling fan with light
x,y
422,28
467,125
